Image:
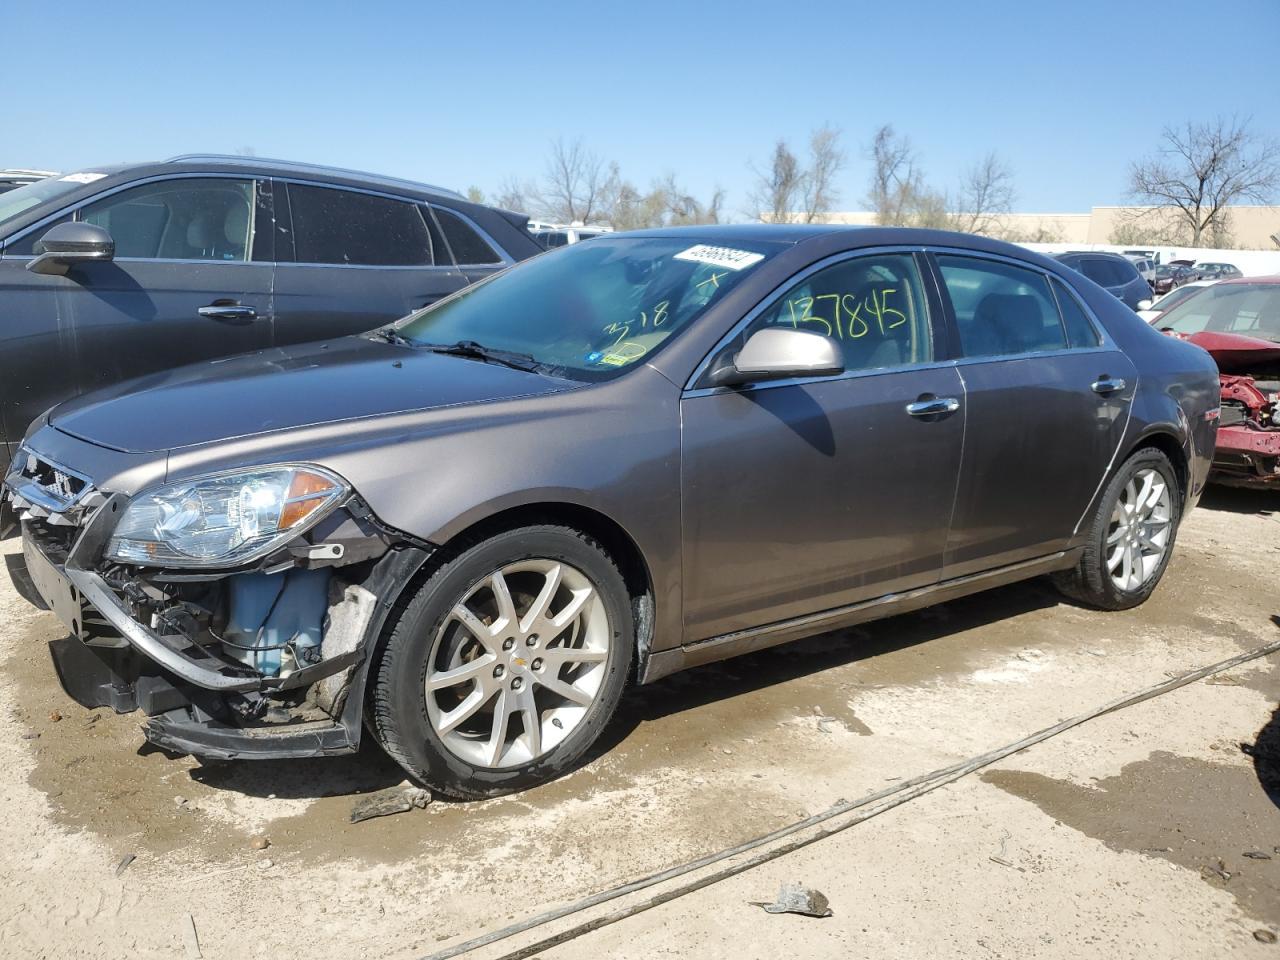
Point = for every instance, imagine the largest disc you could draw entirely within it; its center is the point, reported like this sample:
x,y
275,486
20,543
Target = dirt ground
x,y
1131,834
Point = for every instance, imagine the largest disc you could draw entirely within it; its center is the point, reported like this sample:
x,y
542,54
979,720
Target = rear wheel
x,y
1130,537
506,665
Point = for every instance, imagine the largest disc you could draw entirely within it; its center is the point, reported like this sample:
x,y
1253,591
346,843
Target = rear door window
x,y
357,229
182,219
468,247
1080,330
1001,309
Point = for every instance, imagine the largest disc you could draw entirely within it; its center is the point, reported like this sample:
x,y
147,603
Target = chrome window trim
x,y
111,191
1107,345
767,301
506,260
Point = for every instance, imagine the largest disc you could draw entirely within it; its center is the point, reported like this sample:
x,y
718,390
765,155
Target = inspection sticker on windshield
x,y
82,177
721,256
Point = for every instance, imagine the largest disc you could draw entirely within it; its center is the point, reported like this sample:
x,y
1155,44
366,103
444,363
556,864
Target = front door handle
x,y
1105,385
933,406
227,310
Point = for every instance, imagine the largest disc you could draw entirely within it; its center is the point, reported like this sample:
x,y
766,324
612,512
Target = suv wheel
x,y
1130,536
506,665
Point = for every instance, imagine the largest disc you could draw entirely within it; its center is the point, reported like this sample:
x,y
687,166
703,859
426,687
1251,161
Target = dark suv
x,y
124,271
1114,273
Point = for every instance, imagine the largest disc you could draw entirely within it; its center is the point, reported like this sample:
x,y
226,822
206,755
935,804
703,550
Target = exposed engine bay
x,y
1248,446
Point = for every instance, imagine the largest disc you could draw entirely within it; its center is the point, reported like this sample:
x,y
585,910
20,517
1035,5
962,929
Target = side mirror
x,y
1144,304
777,353
67,244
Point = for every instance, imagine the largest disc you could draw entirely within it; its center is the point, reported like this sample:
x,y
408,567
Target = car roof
x,y
273,167
1244,281
857,236
1073,254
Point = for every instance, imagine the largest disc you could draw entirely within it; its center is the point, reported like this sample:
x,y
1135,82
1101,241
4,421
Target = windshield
x,y
33,194
591,310
1174,297
1251,309
1164,271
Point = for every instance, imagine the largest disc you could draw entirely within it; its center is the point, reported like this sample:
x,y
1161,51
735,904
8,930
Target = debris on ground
x,y
31,736
123,865
1264,936
55,716
796,898
1257,855
191,940
259,843
398,799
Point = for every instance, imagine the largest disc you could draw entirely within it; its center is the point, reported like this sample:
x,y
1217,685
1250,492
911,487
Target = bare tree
x,y
817,186
896,183
475,194
514,195
1201,168
575,184
774,197
986,193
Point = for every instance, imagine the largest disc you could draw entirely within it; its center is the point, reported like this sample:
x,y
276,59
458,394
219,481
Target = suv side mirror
x,y
777,353
67,244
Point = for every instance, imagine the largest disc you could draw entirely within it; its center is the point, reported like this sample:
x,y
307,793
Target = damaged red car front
x,y
1238,323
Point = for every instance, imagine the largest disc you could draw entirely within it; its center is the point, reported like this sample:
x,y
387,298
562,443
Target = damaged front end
x,y
238,612
1247,453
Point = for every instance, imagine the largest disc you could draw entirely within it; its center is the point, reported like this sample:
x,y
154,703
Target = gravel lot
x,y
1123,836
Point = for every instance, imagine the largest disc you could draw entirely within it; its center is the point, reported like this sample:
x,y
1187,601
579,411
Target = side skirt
x,y
665,662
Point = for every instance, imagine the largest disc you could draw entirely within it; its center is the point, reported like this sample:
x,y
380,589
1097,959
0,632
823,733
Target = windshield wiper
x,y
392,335
478,351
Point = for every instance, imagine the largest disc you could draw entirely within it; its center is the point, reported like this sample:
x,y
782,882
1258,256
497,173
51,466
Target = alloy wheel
x,y
517,663
1139,531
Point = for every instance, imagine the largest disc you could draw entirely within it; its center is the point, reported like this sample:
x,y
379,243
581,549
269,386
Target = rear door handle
x,y
1106,385
228,311
933,406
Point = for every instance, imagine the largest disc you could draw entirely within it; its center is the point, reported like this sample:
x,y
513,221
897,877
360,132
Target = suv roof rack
x,y
315,167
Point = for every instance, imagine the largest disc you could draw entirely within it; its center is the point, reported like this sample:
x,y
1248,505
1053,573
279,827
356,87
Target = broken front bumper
x,y
196,702
1247,457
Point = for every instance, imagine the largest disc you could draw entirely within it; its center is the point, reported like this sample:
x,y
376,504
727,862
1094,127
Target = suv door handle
x,y
221,310
933,406
1105,385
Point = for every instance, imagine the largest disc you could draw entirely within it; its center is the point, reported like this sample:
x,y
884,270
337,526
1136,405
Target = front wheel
x,y
1130,536
506,665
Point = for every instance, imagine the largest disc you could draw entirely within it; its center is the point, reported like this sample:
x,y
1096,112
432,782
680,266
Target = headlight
x,y
224,519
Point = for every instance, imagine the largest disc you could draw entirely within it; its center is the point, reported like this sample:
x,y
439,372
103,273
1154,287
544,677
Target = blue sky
x,y
470,93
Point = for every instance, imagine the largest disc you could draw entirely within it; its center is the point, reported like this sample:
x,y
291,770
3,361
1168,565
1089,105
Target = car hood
x,y
1236,353
279,389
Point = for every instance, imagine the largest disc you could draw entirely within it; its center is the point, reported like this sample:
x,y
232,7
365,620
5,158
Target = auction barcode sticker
x,y
721,256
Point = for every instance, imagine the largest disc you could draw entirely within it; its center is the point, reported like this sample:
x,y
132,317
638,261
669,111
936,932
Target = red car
x,y
1238,322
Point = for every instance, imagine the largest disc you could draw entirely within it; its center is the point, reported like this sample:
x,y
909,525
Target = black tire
x,y
397,697
1089,581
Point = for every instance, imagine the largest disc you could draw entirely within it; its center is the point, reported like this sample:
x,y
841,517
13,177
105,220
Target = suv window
x,y
184,219
1106,273
468,246
1080,332
344,227
1001,309
874,306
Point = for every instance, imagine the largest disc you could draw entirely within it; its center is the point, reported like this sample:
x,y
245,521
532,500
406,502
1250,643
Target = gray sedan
x,y
468,532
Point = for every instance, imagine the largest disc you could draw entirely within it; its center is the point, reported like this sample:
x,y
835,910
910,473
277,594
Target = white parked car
x,y
560,235
1153,308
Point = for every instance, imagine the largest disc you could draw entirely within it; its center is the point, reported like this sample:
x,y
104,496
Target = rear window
x,y
343,227
1107,273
